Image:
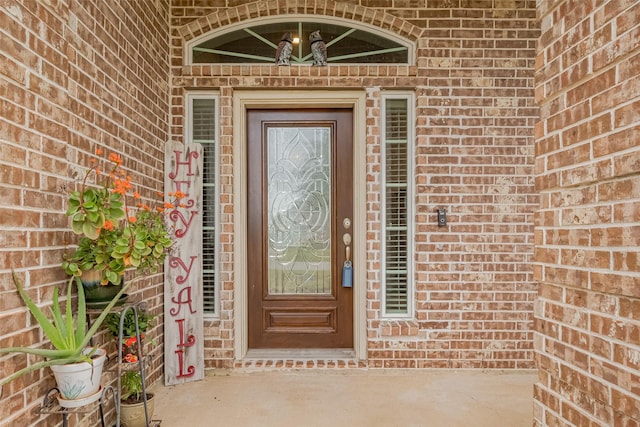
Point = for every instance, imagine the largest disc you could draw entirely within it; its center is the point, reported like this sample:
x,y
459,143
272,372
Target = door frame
x,y
265,99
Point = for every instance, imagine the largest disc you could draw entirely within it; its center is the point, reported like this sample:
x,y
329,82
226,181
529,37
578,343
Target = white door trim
x,y
246,99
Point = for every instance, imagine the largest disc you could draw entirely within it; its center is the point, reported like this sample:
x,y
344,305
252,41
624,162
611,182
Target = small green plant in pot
x,y
70,339
129,347
132,408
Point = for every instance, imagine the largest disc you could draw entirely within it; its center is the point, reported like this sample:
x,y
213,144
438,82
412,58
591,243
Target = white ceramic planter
x,y
76,403
80,380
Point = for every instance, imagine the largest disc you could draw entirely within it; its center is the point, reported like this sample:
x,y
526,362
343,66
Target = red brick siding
x,y
587,171
79,74
474,83
74,75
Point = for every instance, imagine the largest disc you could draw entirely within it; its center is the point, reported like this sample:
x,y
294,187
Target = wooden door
x,y
300,206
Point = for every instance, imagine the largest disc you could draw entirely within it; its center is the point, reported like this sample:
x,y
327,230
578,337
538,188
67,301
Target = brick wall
x,y
74,75
588,228
475,156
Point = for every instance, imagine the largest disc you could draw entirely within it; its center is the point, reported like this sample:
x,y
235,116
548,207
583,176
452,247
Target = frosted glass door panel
x,y
299,210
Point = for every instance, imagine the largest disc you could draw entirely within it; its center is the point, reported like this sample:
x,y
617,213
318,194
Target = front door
x,y
299,201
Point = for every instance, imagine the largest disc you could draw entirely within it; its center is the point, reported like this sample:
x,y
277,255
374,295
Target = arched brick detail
x,y
261,9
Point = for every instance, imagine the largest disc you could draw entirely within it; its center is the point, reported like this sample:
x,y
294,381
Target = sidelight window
x,y
201,129
397,154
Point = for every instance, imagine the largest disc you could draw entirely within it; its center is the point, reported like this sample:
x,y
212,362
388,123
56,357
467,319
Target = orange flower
x,y
132,219
179,195
168,205
115,158
121,186
98,151
108,225
131,358
136,195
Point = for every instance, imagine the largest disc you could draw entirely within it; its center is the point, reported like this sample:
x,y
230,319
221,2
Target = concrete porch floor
x,y
350,398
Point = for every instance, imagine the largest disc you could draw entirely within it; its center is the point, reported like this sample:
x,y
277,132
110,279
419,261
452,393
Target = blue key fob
x,y
347,275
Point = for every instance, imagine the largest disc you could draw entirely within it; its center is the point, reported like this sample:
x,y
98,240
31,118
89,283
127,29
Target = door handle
x,y
346,238
347,268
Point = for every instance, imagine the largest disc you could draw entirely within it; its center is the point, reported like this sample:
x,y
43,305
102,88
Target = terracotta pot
x,y
132,414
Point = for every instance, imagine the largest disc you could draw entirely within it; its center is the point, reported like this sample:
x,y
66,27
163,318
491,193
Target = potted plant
x,y
127,319
118,231
132,402
71,351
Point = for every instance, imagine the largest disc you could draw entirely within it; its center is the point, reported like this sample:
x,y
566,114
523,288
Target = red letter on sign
x,y
175,216
175,262
190,155
191,340
175,311
190,370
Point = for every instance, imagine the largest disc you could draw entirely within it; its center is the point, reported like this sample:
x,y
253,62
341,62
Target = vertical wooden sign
x,y
183,302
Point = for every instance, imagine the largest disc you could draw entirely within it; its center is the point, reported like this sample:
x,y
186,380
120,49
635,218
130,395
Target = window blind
x,y
396,184
203,119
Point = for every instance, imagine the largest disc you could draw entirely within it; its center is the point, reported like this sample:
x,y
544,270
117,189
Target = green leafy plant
x,y
91,208
129,347
68,333
131,387
118,231
112,323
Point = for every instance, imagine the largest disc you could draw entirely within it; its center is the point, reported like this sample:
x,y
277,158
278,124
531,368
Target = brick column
x,y
587,165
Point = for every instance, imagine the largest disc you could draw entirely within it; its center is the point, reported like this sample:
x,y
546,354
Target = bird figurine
x,y
318,49
283,52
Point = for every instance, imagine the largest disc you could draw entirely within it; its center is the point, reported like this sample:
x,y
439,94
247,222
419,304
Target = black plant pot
x,y
95,293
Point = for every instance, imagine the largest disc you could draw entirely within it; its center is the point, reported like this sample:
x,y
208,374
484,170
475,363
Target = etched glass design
x,y
299,210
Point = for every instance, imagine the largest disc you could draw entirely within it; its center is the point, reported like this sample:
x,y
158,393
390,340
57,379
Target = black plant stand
x,y
50,405
120,366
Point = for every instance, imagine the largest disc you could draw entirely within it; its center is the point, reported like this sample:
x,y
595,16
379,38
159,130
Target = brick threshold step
x,y
261,360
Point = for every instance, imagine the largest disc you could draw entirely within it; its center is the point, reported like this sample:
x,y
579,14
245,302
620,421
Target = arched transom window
x,y
346,44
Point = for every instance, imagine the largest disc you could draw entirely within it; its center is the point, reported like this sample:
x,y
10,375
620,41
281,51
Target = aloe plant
x,y
68,336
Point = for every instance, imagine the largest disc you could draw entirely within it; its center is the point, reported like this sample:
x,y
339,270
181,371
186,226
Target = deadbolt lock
x,y
346,223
